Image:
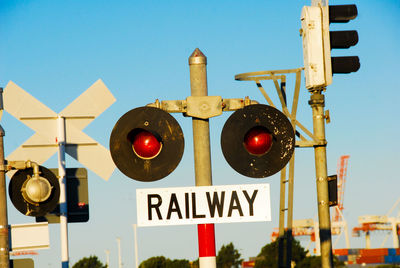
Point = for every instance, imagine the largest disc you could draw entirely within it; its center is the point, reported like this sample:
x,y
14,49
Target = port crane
x,y
370,223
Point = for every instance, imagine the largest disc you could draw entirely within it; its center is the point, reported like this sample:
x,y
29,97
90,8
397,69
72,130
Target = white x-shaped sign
x,y
42,145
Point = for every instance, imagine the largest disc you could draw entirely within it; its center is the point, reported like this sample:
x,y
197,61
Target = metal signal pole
x,y
107,258
63,192
202,155
4,233
136,245
119,253
317,103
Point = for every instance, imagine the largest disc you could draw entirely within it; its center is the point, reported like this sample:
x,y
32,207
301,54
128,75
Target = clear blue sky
x,y
56,49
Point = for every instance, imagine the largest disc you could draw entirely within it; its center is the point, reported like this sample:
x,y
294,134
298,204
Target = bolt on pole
x,y
202,155
317,103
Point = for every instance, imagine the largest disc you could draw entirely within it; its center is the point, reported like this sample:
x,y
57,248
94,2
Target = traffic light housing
x,y
342,39
333,190
146,144
77,198
257,141
318,41
34,196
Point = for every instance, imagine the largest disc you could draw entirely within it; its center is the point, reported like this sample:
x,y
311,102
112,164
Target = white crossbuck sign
x,y
43,144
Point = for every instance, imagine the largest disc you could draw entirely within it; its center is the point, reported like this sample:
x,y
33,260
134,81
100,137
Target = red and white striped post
x,y
202,155
206,236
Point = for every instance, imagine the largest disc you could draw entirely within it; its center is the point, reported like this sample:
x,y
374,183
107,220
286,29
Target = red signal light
x,y
258,140
146,145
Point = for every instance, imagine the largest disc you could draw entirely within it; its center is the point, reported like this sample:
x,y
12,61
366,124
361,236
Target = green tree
x,y
195,264
228,257
154,262
268,257
315,262
310,262
178,264
91,262
162,262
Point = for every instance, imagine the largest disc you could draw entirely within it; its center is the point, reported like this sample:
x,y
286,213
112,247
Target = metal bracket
x,y
203,107
279,79
310,143
10,165
327,117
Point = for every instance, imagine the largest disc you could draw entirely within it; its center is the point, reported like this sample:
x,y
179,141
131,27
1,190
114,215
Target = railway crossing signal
x,y
42,145
34,196
146,144
319,65
61,133
257,141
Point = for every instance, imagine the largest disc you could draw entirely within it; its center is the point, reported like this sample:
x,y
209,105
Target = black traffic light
x,y
146,144
318,41
34,196
343,39
77,198
257,141
333,190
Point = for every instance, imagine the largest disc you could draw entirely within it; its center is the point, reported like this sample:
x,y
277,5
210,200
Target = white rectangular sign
x,y
30,236
203,204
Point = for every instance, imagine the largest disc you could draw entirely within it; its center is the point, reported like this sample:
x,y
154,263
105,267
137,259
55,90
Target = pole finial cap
x,y
197,57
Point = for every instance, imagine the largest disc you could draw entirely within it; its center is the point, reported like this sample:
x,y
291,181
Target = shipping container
x,y
248,264
341,251
354,251
370,259
394,259
374,252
